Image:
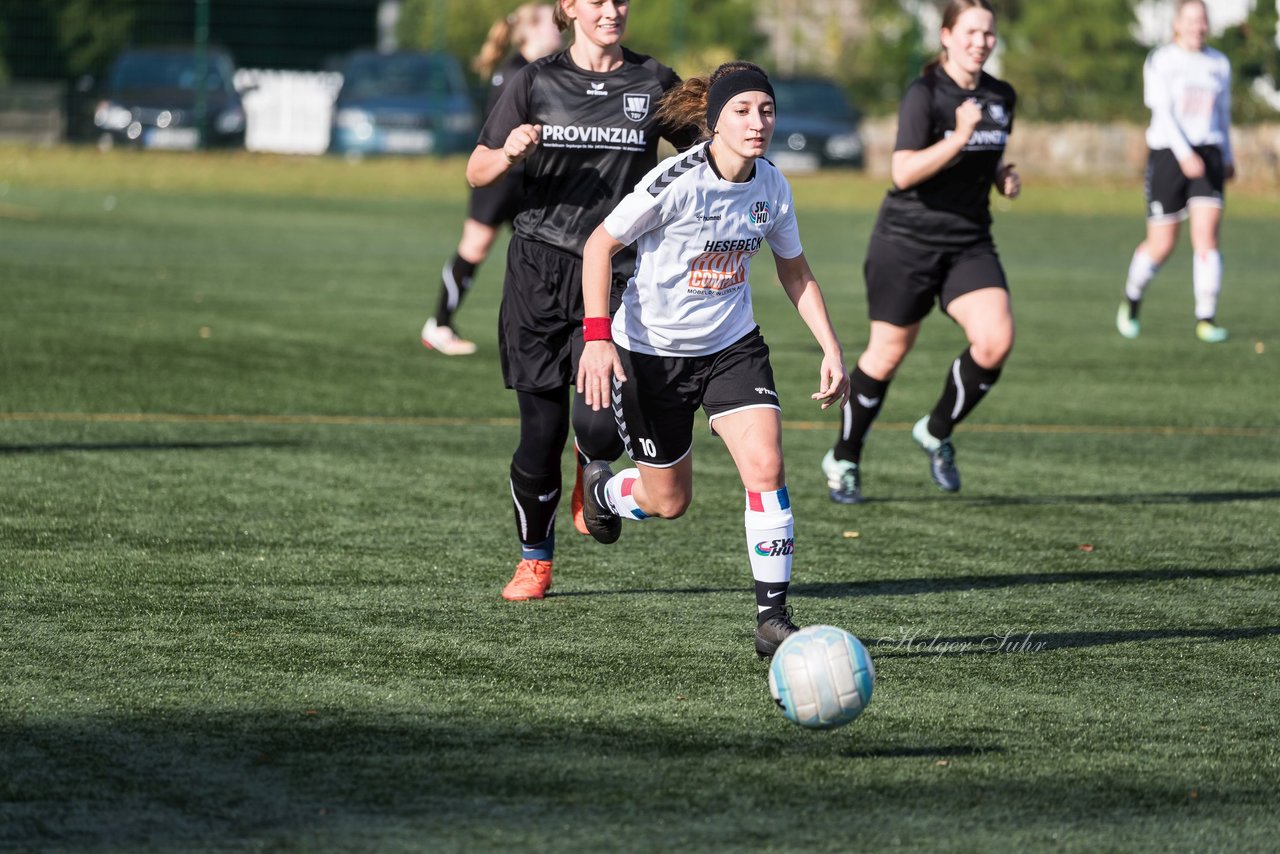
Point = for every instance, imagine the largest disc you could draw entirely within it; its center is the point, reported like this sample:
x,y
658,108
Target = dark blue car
x,y
817,127
405,102
153,100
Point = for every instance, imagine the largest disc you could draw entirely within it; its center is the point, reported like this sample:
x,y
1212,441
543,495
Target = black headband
x,y
733,84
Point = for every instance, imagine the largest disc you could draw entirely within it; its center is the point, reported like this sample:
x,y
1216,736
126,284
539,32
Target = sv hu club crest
x,y
635,106
760,213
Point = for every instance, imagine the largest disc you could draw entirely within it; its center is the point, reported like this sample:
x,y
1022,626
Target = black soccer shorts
x,y
1168,192
904,282
662,394
497,204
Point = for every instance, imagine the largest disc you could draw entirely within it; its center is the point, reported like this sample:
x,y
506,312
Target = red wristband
x,y
597,329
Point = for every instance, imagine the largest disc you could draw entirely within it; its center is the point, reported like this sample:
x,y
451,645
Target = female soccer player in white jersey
x,y
1187,86
932,243
583,122
685,335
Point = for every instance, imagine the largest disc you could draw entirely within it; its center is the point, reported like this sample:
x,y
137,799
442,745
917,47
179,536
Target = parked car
x,y
150,100
406,102
817,127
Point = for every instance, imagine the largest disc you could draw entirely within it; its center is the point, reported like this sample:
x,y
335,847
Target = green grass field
x,y
252,536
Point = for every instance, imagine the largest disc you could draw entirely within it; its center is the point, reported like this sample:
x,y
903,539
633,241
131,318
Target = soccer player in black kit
x,y
533,32
932,242
583,122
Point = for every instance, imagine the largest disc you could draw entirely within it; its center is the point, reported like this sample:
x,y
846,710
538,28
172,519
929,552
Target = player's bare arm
x,y
909,168
802,289
1008,181
599,363
486,165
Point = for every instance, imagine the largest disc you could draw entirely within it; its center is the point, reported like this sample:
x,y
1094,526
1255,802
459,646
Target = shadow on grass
x,y
914,586
1117,499
111,447
910,645
950,751
361,779
649,591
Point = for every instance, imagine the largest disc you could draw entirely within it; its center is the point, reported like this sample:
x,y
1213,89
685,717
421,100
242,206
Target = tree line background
x,y
1070,59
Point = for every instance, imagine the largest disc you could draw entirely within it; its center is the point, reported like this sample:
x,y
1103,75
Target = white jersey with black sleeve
x,y
695,234
1189,95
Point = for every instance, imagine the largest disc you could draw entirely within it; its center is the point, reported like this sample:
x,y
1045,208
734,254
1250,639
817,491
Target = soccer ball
x,y
821,677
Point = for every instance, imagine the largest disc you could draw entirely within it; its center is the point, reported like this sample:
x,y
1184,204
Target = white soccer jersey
x,y
695,234
1189,94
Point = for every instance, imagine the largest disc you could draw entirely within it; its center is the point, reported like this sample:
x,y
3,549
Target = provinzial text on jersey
x,y
577,133
985,138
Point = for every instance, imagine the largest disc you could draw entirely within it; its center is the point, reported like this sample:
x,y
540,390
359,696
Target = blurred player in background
x,y
532,31
584,123
686,337
1187,86
932,243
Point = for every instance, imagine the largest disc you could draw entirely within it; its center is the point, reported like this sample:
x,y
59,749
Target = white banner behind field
x,y
287,112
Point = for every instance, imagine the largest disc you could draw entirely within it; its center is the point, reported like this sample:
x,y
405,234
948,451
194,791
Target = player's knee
x,y
992,349
882,362
1160,248
597,436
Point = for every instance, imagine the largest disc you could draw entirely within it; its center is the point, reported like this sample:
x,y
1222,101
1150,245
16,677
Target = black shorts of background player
x,y
932,243
532,31
583,122
1187,86
685,335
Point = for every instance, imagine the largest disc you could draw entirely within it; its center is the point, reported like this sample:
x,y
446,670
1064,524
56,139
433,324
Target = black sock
x,y
455,281
866,396
1134,305
536,499
772,597
967,383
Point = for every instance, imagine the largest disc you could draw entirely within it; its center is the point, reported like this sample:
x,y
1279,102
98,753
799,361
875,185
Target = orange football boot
x,y
531,581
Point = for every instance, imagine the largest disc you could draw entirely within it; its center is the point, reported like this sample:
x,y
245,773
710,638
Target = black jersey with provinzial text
x,y
953,206
599,137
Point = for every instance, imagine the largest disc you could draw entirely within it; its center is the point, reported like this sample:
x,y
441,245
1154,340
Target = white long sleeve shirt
x,y
1189,95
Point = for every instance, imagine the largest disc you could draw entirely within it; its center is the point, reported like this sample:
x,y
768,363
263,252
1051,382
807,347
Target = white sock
x,y
618,490
1206,281
1141,271
770,537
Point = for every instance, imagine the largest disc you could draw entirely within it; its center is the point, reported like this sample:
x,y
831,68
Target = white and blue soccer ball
x,y
821,677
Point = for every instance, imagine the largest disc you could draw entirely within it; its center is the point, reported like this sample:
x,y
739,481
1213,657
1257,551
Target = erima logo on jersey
x,y
775,548
597,89
635,106
749,245
576,133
